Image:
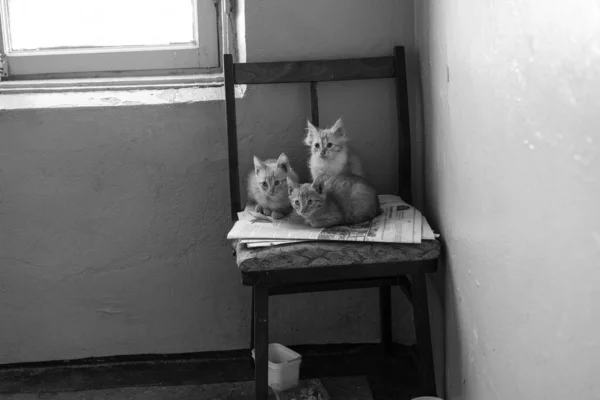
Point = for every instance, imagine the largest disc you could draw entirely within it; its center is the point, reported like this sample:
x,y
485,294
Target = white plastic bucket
x,y
284,367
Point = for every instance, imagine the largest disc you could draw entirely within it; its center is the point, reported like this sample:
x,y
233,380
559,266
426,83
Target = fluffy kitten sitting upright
x,y
267,186
329,151
334,200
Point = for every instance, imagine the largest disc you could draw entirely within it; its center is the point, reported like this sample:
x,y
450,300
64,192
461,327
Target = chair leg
x,y
406,287
252,327
385,318
423,333
261,339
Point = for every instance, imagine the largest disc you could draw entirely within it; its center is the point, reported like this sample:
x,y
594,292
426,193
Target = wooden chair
x,y
324,266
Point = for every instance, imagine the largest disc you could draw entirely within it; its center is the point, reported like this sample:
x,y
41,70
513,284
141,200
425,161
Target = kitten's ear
x,y
338,129
317,185
283,163
311,127
311,131
291,184
258,164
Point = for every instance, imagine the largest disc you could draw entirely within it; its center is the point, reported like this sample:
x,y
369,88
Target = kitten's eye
x,y
309,202
276,183
297,203
317,145
264,184
329,145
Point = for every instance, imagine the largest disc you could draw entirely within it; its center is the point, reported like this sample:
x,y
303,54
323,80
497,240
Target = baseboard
x,y
215,367
312,349
189,368
128,359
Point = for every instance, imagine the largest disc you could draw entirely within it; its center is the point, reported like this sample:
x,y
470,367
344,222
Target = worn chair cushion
x,y
322,253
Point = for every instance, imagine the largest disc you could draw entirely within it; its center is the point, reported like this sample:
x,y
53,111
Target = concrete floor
x,y
344,388
347,372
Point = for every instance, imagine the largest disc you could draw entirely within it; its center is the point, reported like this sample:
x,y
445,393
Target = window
x,y
103,38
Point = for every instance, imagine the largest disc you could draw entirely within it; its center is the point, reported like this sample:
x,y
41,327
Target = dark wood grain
x,y
261,341
314,103
402,114
252,321
312,287
385,318
232,142
406,287
423,333
342,273
320,70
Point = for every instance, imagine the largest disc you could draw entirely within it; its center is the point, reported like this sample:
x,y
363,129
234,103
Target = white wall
x,y
112,220
512,161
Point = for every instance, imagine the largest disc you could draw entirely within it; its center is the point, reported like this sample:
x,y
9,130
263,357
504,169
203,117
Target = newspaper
x,y
398,223
251,243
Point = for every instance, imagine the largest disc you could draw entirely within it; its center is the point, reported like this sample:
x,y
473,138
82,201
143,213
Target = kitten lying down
x,y
334,200
267,186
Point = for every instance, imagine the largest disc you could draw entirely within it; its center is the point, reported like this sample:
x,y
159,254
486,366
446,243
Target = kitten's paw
x,y
325,176
277,214
267,211
322,178
258,208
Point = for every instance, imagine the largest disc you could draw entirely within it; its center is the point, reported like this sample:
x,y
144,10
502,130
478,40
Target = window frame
x,y
126,63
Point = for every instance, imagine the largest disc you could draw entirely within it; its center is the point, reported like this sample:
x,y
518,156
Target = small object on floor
x,y
284,367
311,389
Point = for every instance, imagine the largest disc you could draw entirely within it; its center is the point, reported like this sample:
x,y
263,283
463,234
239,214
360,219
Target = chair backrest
x,y
312,72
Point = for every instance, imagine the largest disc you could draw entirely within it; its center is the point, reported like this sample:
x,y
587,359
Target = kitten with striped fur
x,y
329,151
334,200
267,186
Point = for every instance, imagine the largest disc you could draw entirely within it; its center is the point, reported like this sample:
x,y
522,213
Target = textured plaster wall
x,y
113,218
512,161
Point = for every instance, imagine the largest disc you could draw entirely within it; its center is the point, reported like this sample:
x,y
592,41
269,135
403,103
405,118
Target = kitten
x,y
329,151
334,200
267,186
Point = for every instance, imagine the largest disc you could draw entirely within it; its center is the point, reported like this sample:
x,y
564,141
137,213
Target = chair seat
x,y
322,253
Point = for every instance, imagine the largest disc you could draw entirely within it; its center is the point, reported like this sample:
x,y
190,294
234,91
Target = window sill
x,y
23,95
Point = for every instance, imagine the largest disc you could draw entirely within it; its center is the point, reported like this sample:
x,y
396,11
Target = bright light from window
x,y
48,24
